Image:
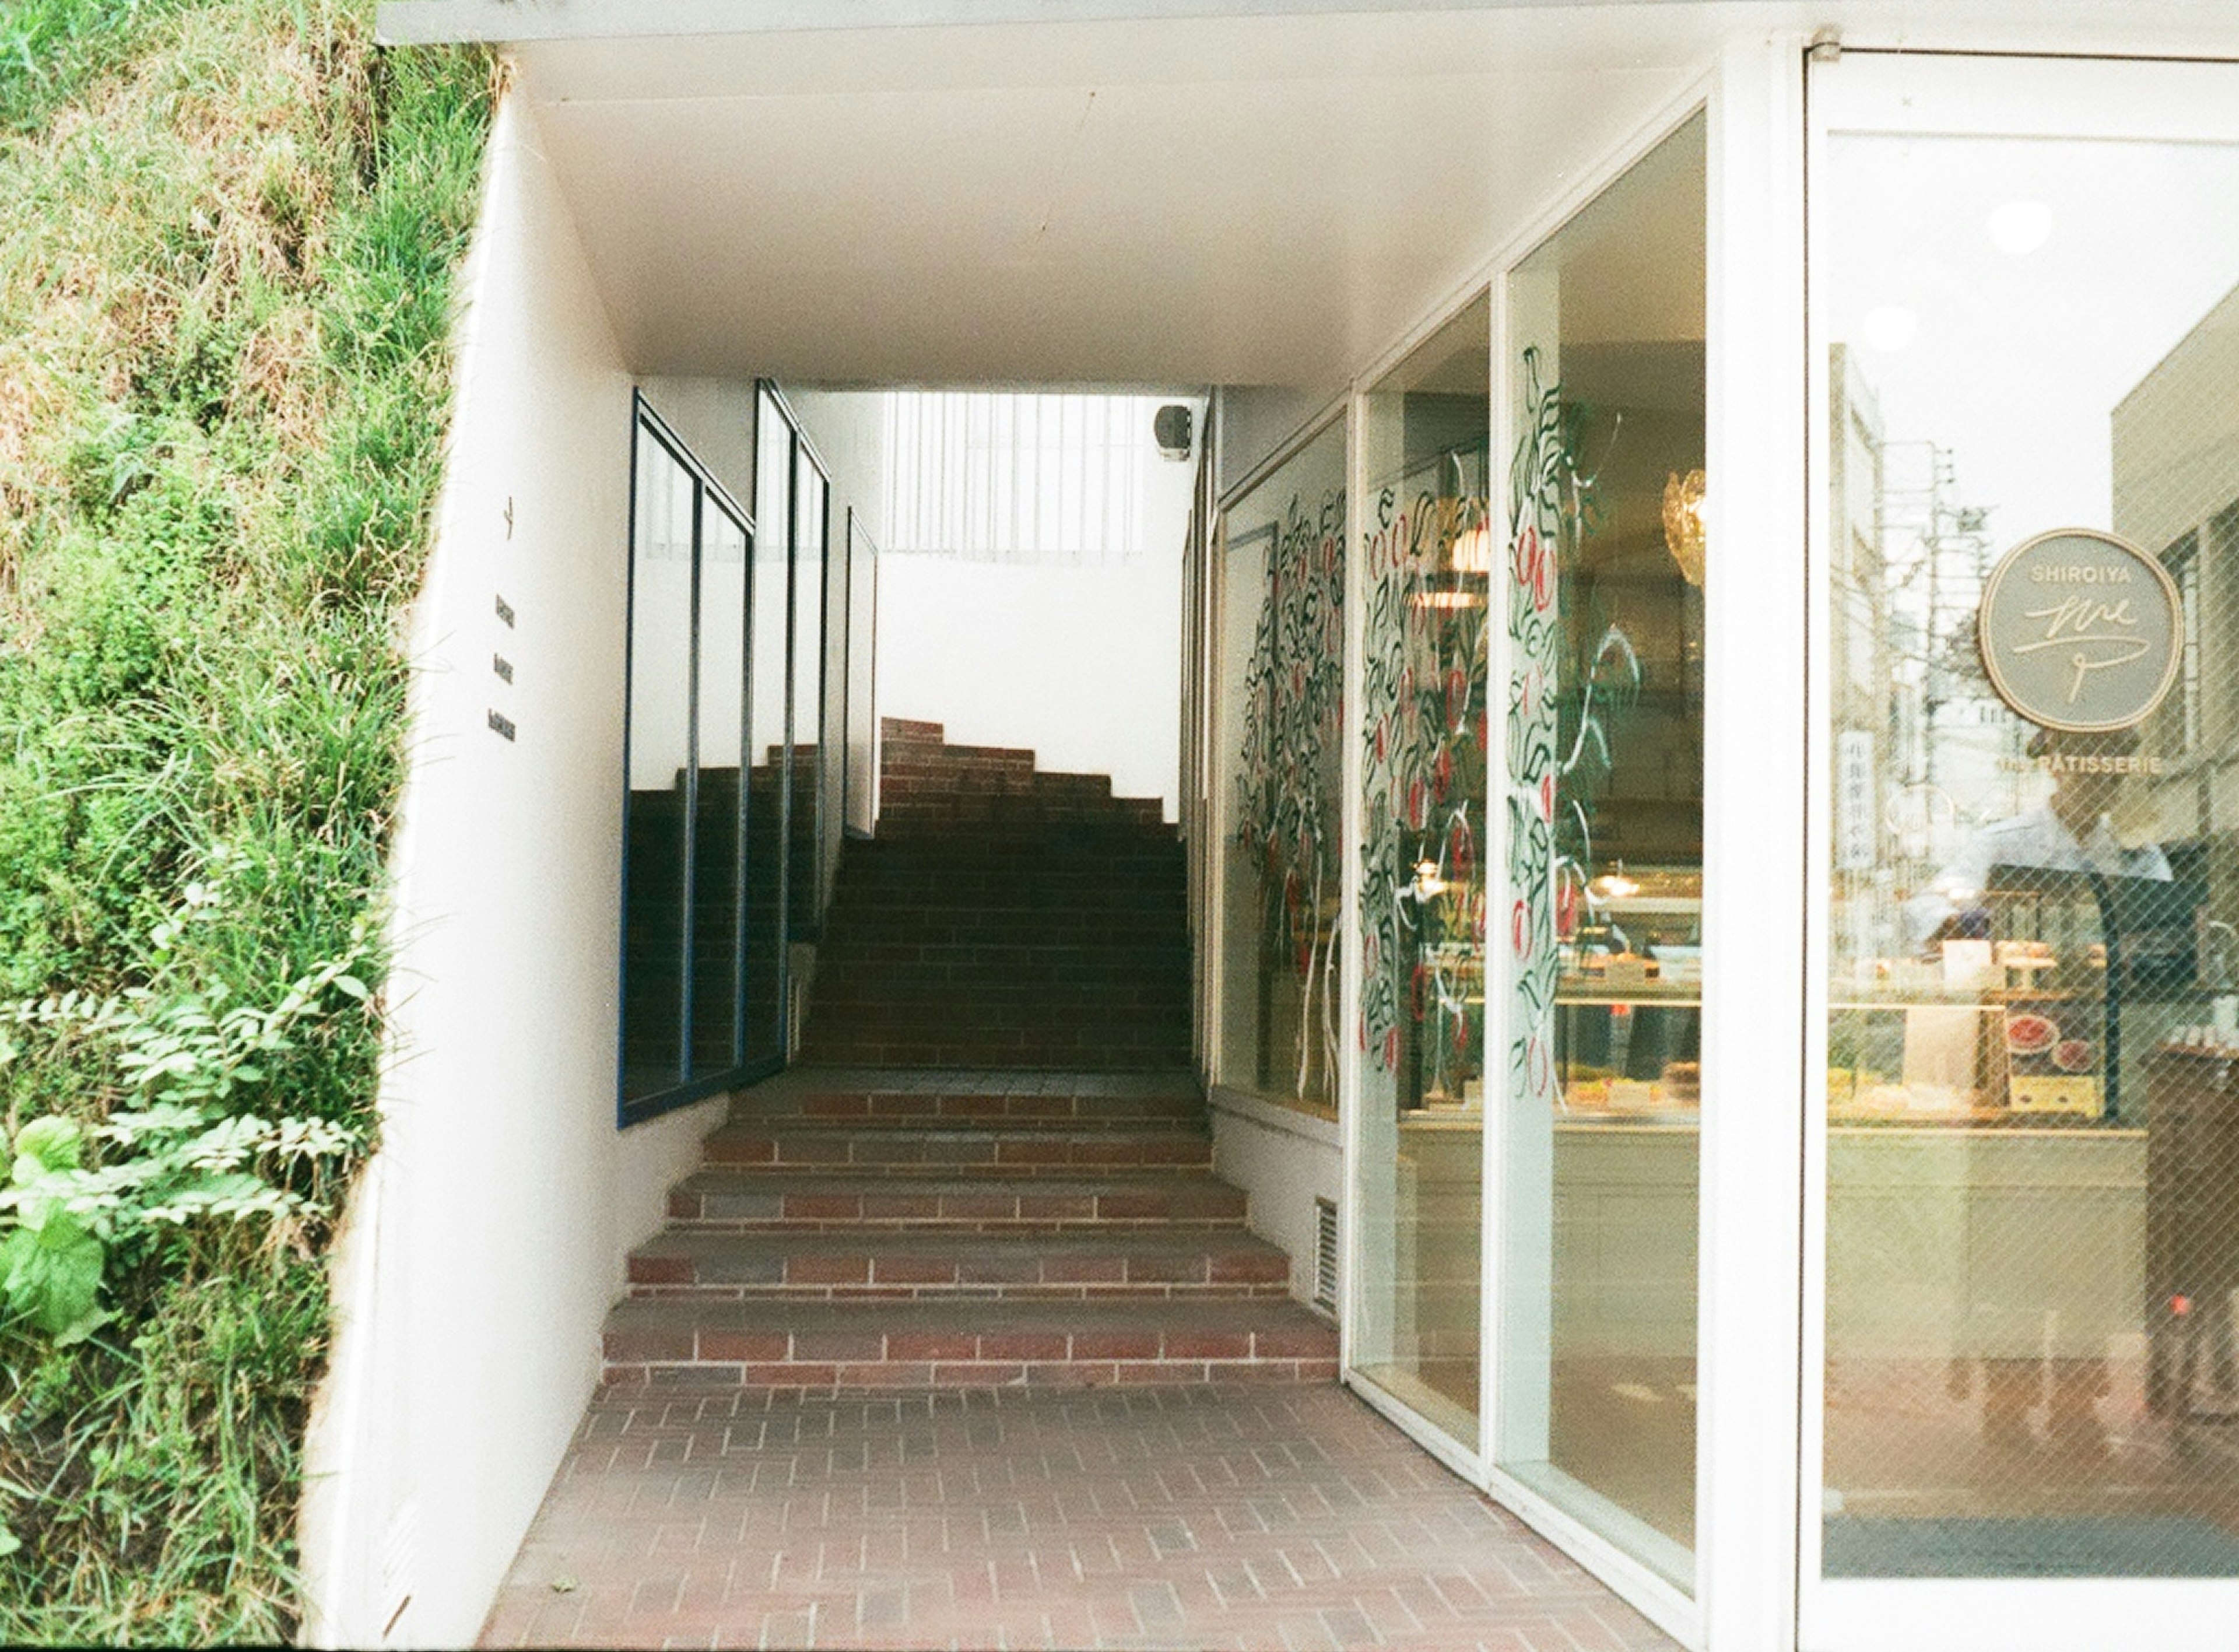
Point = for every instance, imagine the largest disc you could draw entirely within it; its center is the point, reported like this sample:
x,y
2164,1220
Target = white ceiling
x,y
1242,199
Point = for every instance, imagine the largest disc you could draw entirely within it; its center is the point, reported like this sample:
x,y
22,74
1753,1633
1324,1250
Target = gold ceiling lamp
x,y
1473,549
1683,524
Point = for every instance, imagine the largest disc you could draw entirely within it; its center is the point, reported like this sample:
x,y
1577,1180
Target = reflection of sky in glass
x,y
2015,360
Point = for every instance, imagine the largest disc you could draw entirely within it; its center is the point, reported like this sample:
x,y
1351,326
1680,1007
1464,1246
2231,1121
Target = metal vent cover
x,y
1325,1255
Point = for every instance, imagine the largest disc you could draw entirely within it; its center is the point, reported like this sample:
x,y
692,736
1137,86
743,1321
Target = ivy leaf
x,y
51,1273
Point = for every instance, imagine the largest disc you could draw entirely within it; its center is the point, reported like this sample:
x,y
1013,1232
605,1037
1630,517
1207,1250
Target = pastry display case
x,y
1628,1000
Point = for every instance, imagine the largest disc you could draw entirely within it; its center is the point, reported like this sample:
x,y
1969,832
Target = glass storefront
x,y
2001,1216
1426,559
1602,795
2032,1085
1281,659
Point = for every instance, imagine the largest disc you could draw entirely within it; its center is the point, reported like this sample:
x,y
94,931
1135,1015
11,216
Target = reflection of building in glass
x,y
1869,766
2177,494
1924,752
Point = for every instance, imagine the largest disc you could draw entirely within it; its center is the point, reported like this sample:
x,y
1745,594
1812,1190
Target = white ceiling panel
x,y
1250,199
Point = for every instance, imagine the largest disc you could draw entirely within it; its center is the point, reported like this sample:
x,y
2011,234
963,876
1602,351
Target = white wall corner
x,y
1284,1160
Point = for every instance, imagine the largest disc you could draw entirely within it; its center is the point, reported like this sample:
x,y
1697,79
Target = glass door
x,y
2023,1421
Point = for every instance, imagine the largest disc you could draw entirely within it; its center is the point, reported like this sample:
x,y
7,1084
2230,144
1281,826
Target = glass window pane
x,y
655,873
805,894
1427,550
766,744
1282,678
1604,806
717,843
2033,1124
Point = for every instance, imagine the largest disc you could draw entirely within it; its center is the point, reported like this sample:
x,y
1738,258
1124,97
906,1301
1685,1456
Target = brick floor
x,y
1282,1517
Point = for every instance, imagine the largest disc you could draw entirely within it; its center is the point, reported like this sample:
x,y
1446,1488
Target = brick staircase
x,y
1003,917
1012,1188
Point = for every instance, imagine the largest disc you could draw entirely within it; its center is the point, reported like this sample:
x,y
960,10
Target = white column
x,y
1755,870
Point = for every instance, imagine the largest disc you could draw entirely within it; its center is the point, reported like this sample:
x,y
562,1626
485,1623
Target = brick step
x,y
921,992
1023,877
1051,1042
881,860
775,1198
929,791
955,935
1041,1027
896,730
900,1263
874,1000
1148,918
1017,951
855,950
1019,957
1117,932
1157,892
987,1150
1105,833
1018,812
1150,1102
935,776
775,1342
1134,1054
1028,940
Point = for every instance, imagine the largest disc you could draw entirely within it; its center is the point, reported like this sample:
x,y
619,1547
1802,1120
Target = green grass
x,y
225,295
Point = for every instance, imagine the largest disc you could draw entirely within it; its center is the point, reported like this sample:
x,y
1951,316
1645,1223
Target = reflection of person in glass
x,y
2037,1325
2070,831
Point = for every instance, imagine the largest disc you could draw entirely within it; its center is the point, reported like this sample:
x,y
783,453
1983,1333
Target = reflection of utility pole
x,y
1935,559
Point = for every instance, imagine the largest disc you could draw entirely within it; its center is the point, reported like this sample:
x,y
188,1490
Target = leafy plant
x,y
180,1158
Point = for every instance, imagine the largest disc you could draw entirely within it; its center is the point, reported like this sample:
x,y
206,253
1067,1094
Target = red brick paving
x,y
1269,1516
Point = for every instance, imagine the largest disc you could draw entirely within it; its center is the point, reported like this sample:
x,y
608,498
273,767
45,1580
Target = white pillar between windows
x,y
1755,862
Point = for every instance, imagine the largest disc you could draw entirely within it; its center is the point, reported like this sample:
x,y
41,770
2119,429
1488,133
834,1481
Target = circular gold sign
x,y
2080,631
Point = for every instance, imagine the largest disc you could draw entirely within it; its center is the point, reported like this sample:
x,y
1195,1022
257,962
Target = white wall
x,y
1254,420
487,1240
1081,665
1284,1159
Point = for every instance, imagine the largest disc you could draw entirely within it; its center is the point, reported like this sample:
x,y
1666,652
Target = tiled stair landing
x,y
877,1228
